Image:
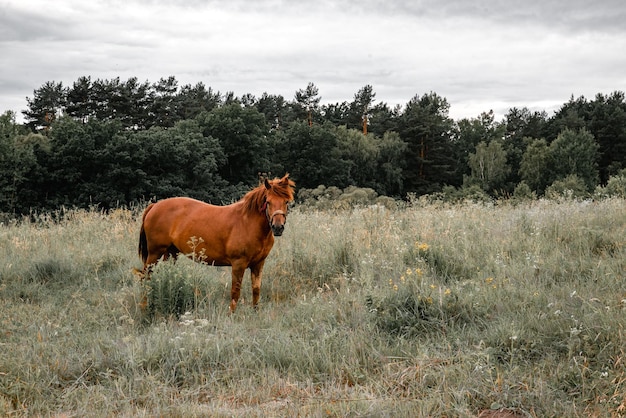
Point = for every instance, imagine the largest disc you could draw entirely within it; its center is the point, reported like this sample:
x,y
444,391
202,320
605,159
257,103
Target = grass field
x,y
432,310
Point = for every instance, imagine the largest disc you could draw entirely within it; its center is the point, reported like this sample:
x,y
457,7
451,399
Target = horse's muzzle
x,y
277,222
277,230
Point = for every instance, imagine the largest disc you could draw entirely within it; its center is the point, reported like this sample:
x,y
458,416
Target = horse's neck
x,y
255,219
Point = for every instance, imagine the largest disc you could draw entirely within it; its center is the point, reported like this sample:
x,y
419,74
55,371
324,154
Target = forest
x,y
113,143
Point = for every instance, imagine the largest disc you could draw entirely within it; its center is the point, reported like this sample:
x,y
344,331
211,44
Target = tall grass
x,y
433,310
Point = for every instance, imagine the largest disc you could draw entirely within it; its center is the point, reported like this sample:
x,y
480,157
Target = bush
x,y
169,292
571,187
334,198
615,187
467,193
523,192
358,196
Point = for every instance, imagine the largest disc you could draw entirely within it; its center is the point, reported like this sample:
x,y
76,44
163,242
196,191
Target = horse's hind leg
x,y
237,272
155,254
172,251
149,263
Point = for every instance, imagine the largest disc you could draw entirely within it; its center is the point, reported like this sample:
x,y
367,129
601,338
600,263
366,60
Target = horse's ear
x,y
268,186
285,180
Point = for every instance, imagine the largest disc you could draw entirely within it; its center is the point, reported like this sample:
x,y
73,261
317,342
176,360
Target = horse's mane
x,y
255,198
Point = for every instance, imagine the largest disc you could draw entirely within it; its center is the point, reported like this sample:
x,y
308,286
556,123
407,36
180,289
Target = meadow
x,y
431,310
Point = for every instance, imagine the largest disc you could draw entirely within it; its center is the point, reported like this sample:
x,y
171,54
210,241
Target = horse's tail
x,y
143,240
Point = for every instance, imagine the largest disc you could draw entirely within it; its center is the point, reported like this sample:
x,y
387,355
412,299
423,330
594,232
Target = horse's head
x,y
279,193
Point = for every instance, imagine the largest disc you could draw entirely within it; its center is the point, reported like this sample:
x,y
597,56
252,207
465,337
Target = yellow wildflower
x,y
447,292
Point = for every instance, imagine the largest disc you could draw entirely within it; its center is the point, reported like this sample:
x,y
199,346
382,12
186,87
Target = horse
x,y
240,235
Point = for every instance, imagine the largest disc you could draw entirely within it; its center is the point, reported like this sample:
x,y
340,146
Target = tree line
x,y
115,142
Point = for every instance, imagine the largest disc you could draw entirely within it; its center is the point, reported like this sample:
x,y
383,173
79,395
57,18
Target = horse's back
x,y
178,203
184,222
178,212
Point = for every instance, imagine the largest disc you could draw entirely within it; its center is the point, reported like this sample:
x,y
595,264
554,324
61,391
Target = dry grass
x,y
432,310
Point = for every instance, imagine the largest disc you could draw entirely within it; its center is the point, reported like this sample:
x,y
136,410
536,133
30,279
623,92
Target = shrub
x,y
467,193
615,187
334,198
523,192
571,187
168,292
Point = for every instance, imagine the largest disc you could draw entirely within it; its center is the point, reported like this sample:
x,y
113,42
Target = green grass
x,y
433,310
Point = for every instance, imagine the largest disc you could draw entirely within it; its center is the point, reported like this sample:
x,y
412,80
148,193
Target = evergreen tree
x,y
164,109
130,103
193,100
520,124
427,129
81,103
336,113
572,115
307,102
361,108
48,104
273,108
608,125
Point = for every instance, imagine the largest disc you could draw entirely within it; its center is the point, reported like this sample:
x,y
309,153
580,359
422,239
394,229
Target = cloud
x,y
571,16
479,55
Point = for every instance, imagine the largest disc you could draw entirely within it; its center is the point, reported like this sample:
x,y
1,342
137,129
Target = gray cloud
x,y
27,26
573,15
479,55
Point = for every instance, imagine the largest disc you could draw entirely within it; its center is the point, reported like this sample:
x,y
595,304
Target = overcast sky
x,y
479,55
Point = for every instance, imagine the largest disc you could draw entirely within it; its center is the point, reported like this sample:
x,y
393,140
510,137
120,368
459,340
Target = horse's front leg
x,y
237,271
255,274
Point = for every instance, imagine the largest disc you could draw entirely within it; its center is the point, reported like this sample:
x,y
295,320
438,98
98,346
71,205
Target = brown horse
x,y
239,235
